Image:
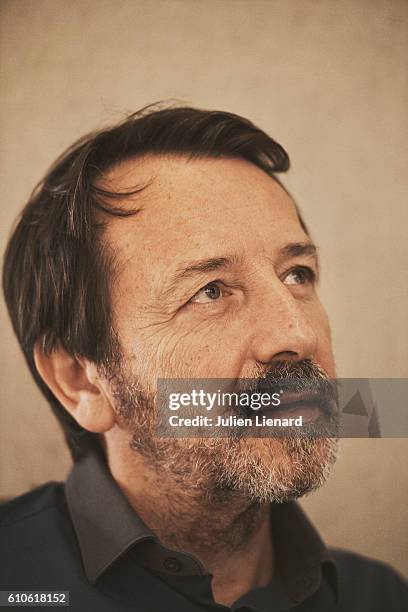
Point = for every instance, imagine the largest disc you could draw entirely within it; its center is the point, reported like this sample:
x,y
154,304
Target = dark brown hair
x,y
57,274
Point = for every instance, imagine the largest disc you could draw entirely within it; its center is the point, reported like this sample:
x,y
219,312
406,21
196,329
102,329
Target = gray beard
x,y
259,470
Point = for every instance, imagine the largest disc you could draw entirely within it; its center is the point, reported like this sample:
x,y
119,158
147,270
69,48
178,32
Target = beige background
x,y
326,78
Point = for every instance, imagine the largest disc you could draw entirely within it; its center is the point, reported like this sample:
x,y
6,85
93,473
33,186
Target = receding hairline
x,y
132,191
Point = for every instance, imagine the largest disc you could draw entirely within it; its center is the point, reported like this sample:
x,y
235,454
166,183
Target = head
x,y
167,247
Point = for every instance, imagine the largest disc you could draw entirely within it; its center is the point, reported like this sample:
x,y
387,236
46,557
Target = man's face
x,y
216,280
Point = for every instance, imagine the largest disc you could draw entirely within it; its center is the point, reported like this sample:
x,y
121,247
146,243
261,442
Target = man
x,y
167,248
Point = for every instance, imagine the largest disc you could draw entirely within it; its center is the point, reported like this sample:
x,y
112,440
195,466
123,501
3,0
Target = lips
x,y
307,405
312,397
289,400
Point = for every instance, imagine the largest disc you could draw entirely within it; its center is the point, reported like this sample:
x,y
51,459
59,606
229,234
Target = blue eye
x,y
300,276
209,293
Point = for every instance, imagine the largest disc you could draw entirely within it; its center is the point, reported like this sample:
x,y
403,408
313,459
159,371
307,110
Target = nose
x,y
281,328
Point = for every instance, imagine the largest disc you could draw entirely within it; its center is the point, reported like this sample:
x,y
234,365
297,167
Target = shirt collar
x,y
105,535
302,558
105,523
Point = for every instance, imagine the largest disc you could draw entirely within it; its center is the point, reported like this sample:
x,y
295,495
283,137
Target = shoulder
x,y
32,505
37,541
369,582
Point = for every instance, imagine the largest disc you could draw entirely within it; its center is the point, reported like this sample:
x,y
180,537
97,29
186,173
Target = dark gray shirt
x,y
85,538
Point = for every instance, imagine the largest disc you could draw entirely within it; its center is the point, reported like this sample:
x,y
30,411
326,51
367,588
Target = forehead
x,y
197,207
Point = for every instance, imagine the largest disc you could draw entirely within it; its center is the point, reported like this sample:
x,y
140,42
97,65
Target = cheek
x,y
324,351
203,353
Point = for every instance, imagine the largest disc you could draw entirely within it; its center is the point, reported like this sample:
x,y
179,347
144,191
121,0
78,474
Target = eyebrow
x,y
195,268
205,265
295,249
212,264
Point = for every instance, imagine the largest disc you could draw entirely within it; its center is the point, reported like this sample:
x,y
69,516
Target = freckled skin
x,y
210,498
207,208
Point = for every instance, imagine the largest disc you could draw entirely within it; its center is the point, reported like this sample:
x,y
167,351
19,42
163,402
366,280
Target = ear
x,y
75,382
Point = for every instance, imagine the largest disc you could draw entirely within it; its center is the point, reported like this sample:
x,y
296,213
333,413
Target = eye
x,y
300,276
207,294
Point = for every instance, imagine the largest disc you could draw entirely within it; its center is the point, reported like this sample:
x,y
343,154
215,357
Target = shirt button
x,y
171,564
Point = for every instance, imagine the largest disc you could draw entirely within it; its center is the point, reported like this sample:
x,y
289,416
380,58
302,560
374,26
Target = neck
x,y
225,531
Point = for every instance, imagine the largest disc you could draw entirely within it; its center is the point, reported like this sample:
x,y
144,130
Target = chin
x,y
279,469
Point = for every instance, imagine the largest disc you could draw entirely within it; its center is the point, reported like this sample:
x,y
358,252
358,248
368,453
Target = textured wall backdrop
x,y
327,79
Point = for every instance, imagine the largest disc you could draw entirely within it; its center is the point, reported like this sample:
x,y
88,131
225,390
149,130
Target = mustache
x,y
304,377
